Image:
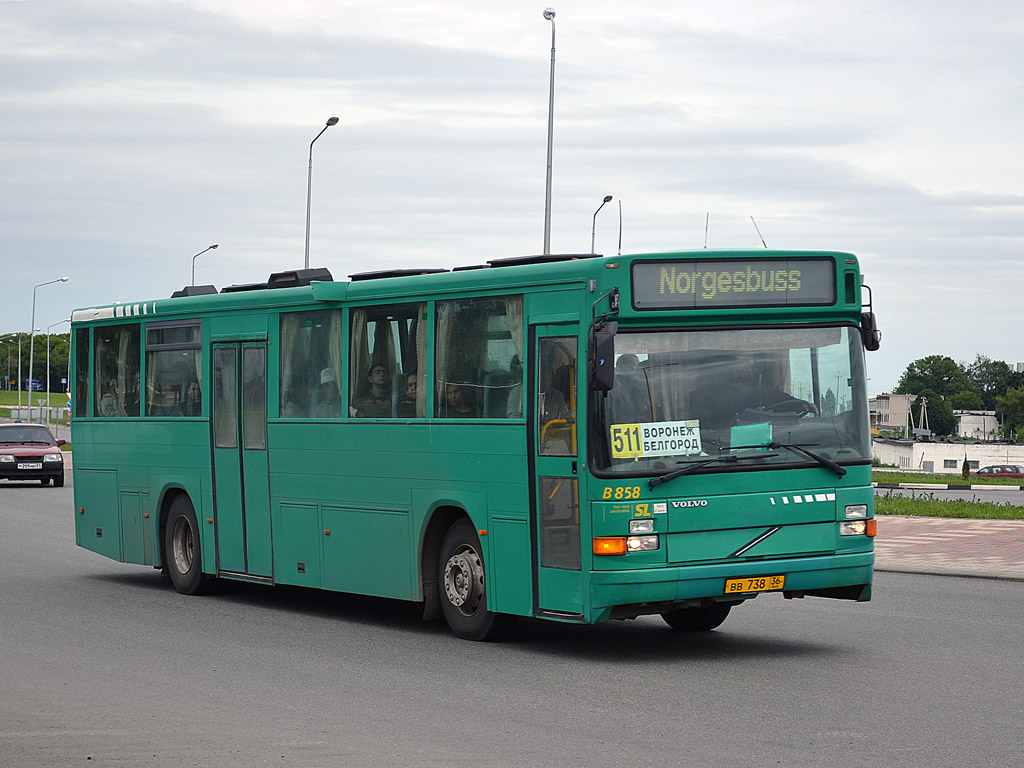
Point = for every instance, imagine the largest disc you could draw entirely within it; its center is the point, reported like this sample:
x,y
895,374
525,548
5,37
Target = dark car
x,y
1000,470
29,452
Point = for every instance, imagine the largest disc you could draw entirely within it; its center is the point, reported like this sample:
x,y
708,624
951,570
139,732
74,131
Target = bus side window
x,y
310,368
116,370
478,358
387,350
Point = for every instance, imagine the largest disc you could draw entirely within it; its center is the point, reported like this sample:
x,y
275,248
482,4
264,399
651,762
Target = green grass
x,y
10,398
924,505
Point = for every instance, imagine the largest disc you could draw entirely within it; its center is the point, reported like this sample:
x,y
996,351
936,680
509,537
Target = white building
x,y
977,425
944,458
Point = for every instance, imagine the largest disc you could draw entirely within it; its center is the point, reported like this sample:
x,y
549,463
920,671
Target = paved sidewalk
x,y
992,549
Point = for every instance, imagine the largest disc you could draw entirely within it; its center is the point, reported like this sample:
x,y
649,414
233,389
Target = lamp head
x,y
332,121
214,246
607,198
549,14
63,279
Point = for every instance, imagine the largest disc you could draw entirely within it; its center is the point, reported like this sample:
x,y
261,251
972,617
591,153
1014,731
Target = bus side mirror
x,y
601,356
869,331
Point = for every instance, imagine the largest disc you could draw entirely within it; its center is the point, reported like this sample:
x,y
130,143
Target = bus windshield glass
x,y
769,396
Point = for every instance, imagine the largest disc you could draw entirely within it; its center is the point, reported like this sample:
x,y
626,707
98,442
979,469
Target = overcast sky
x,y
134,134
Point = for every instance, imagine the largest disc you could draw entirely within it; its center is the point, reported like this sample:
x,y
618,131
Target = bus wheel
x,y
463,587
181,550
697,619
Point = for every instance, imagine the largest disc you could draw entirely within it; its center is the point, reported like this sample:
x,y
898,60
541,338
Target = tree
x,y
1011,405
966,401
991,378
937,373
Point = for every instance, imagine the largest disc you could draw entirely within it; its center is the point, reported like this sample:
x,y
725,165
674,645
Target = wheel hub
x,y
464,580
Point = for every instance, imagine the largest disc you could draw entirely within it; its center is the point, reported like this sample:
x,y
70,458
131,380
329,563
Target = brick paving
x,y
991,549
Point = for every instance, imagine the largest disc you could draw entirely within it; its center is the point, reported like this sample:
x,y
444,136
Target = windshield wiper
x,y
828,463
728,459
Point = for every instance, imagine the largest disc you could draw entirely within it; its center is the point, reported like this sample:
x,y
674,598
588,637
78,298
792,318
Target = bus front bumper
x,y
629,593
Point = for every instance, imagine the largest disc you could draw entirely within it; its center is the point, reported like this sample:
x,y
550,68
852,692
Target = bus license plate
x,y
31,465
756,584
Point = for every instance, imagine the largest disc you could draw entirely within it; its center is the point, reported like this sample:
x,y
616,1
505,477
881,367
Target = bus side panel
x,y
368,552
297,545
509,572
97,518
138,542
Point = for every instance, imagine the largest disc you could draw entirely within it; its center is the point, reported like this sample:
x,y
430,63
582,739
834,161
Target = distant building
x,y
890,413
943,457
977,425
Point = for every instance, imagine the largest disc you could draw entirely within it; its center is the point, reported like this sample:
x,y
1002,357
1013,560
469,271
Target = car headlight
x,y
6,458
52,457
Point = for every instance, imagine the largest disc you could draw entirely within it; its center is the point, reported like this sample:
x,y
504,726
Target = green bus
x,y
575,438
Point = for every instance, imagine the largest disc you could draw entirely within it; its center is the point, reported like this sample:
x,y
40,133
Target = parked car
x,y
1001,470
29,452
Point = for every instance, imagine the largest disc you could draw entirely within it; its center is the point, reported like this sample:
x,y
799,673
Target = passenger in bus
x,y
192,404
109,404
456,405
407,405
375,402
514,404
329,400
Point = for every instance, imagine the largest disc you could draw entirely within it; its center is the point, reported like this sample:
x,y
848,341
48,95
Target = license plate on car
x,y
31,465
756,584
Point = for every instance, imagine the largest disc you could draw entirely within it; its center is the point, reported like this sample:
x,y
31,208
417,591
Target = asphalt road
x,y
102,664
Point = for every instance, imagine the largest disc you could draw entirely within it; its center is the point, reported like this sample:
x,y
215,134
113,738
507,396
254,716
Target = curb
x,y
961,572
950,487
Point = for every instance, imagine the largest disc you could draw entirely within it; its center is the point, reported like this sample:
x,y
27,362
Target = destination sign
x,y
725,283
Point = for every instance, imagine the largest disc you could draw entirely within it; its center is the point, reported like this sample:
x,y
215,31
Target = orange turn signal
x,y
872,527
610,545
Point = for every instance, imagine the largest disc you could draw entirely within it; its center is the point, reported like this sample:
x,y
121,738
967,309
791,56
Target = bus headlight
x,y
641,526
641,543
858,528
856,511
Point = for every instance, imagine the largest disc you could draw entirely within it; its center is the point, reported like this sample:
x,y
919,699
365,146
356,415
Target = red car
x,y
1000,470
29,452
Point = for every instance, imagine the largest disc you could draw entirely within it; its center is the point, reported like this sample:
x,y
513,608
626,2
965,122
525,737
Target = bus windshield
x,y
707,398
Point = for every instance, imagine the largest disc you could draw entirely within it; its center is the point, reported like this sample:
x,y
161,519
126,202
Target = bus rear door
x,y
241,470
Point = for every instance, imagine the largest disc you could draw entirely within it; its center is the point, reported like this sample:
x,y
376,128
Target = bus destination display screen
x,y
721,283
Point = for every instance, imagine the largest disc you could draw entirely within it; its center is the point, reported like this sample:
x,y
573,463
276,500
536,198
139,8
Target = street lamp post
x,y
59,322
309,180
31,343
593,227
212,247
549,14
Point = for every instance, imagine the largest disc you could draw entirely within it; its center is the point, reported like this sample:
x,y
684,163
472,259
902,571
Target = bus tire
x,y
702,619
182,551
462,583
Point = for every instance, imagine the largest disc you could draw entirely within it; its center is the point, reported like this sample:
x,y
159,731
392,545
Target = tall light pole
x,y
593,227
212,247
31,345
59,322
549,14
309,180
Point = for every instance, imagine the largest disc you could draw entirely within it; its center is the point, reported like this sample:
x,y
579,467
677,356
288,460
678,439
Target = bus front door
x,y
555,493
241,478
